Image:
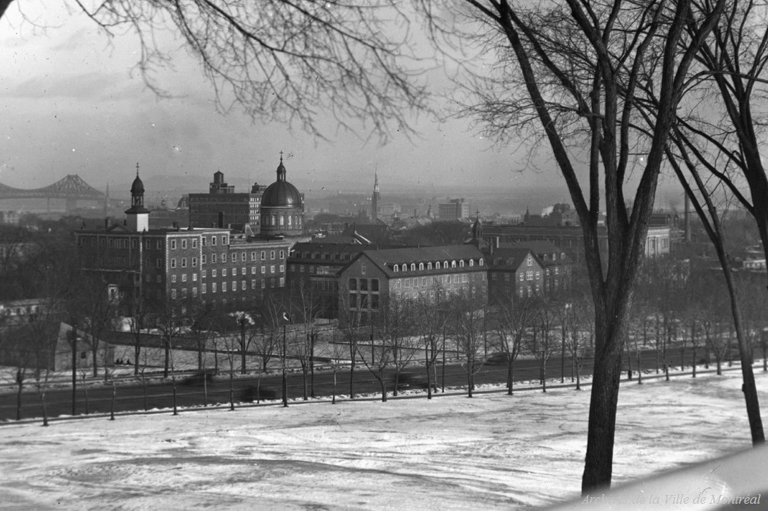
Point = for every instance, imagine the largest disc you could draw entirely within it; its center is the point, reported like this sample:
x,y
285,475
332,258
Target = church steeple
x,y
138,216
375,206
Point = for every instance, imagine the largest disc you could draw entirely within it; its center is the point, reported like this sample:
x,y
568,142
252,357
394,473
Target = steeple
x,y
477,228
281,169
375,206
138,216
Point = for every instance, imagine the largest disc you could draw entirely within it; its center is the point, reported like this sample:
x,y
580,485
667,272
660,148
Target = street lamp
x,y
286,320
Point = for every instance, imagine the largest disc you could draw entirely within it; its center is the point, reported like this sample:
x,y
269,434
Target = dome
x,y
137,187
281,193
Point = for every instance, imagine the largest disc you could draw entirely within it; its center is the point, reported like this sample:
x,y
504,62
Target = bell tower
x,y
138,216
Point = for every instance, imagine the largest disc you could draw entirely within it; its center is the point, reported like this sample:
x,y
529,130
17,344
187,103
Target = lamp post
x,y
285,351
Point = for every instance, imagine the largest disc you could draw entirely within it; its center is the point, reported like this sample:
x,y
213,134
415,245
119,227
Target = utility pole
x,y
74,366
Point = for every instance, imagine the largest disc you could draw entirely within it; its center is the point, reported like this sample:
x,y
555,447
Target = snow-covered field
x,y
489,452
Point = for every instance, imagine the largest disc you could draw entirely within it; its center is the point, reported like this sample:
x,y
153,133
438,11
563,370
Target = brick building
x,y
513,273
222,207
375,276
211,264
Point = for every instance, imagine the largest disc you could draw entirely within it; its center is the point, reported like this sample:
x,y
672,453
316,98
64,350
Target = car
x,y
408,381
198,378
253,393
497,359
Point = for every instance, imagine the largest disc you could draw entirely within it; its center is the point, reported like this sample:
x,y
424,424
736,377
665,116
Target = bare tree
x,y
516,317
467,326
574,68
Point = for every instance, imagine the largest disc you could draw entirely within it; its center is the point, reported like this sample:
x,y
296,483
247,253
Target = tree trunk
x,y
85,390
694,361
333,398
167,361
232,387
112,405
20,383
602,408
45,411
510,375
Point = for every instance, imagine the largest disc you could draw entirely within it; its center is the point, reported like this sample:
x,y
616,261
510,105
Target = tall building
x,y
454,209
211,264
375,198
222,206
282,207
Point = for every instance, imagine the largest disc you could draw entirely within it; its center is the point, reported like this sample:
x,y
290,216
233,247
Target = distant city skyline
x,y
72,104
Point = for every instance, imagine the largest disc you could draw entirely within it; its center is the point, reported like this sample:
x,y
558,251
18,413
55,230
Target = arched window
x,y
453,264
481,261
396,268
405,267
437,265
429,266
274,220
445,265
282,219
290,221
471,262
421,266
461,263
413,266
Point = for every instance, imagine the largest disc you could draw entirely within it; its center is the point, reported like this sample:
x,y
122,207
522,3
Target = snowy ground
x,y
489,452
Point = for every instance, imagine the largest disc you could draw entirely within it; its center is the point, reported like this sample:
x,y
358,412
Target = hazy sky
x,y
70,103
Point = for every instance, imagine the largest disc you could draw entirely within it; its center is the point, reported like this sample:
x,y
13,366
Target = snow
x,y
489,452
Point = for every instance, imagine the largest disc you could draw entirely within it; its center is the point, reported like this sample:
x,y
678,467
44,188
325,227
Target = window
x,y
194,245
395,268
481,261
242,257
173,294
421,266
203,273
159,244
272,269
352,301
173,279
464,277
234,285
352,283
282,282
263,270
204,288
213,273
223,287
529,261
243,271
375,285
429,266
413,267
184,244
183,262
538,275
223,240
423,281
194,292
374,301
194,277
234,271
194,262
183,277
272,255
405,267
453,264
173,244
461,264
173,263
203,259
213,287
253,270
437,265
263,255
253,284
213,242
184,292
263,284
203,240
363,284
159,263
223,272
233,258
529,275
253,255
282,268
471,262
213,258
282,254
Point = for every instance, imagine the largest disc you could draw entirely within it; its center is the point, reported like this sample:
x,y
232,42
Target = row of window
x,y
244,257
421,266
223,287
363,285
243,271
441,293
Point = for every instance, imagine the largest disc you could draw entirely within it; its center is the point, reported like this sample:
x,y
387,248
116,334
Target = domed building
x,y
282,207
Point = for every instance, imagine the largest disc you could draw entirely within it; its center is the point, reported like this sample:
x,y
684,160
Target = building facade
x,y
222,207
515,273
374,277
208,264
454,209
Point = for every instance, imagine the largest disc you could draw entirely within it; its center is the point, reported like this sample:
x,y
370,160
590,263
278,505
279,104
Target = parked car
x,y
252,393
198,378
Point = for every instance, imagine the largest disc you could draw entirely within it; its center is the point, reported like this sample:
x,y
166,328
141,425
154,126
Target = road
x,y
135,396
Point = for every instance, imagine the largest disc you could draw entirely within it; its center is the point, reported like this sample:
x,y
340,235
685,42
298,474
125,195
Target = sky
x,y
71,102
490,452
